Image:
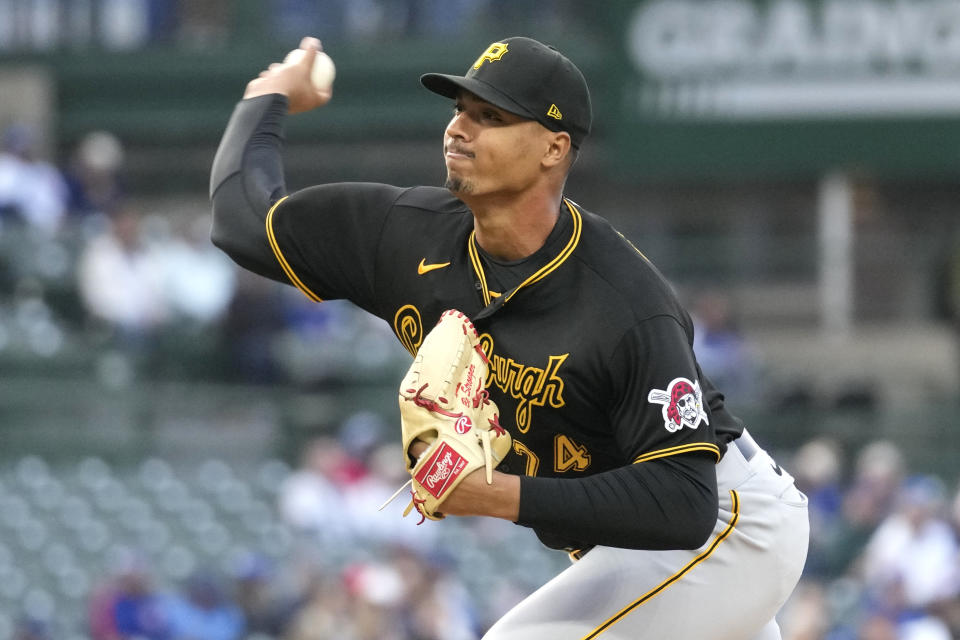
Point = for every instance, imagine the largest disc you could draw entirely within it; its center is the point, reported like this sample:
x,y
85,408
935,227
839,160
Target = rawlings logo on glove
x,y
443,467
444,402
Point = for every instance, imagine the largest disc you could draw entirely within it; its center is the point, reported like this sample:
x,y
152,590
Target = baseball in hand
x,y
323,71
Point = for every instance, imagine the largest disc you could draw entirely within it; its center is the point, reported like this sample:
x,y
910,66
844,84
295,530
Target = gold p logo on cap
x,y
493,53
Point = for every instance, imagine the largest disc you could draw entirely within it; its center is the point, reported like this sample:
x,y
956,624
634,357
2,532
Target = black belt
x,y
747,445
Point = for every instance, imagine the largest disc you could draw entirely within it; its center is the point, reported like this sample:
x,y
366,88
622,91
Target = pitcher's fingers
x,y
309,42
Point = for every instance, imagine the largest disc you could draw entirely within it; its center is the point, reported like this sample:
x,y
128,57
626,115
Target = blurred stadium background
x,y
183,448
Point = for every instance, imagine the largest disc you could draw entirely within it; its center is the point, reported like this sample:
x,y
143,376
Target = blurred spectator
x,y
910,562
325,613
28,628
121,279
950,610
915,546
199,280
378,527
252,322
878,627
311,498
438,606
377,599
93,174
126,24
127,607
204,612
203,25
265,608
890,569
881,467
337,493
374,581
924,628
868,500
806,615
32,190
721,350
360,435
816,467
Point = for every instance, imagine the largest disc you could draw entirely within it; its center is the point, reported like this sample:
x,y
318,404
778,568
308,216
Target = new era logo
x,y
554,112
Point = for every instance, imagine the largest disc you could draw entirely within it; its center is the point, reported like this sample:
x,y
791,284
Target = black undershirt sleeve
x,y
666,503
246,180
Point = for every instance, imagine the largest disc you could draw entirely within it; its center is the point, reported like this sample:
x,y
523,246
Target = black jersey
x,y
586,349
591,358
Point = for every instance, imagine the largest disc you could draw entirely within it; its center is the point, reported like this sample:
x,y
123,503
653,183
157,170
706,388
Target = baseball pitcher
x,y
553,381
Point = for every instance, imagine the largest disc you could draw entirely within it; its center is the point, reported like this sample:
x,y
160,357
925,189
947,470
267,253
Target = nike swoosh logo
x,y
423,267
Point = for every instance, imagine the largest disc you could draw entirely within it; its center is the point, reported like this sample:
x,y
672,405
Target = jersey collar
x,y
492,304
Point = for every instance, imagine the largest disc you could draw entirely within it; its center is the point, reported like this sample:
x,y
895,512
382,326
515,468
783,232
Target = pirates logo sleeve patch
x,y
682,402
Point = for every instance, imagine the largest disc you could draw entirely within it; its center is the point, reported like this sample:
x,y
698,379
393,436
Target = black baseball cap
x,y
529,79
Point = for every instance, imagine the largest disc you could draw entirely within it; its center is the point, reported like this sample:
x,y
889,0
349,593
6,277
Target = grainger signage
x,y
734,58
839,81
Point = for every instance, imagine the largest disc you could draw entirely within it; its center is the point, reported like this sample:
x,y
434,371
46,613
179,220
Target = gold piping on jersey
x,y
633,246
560,257
735,508
541,273
682,448
477,266
287,269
